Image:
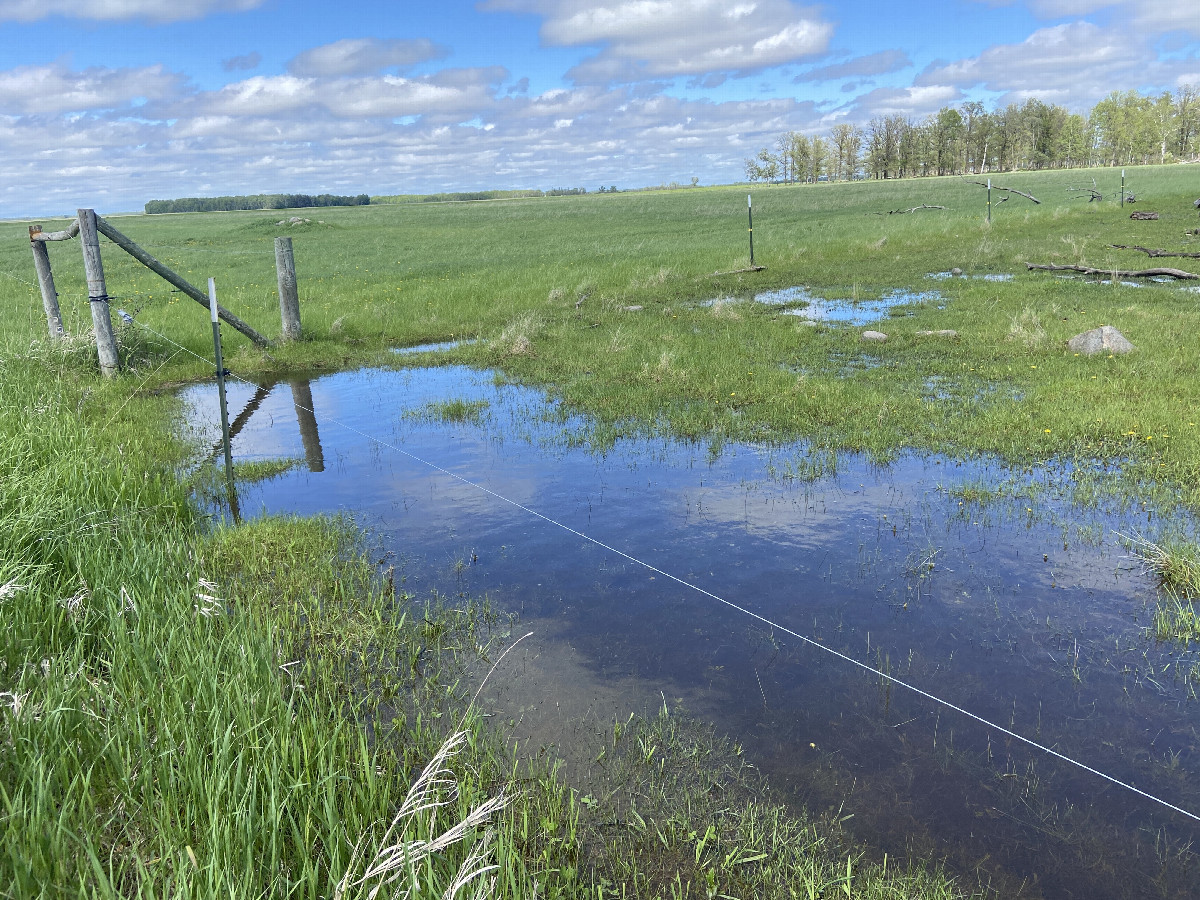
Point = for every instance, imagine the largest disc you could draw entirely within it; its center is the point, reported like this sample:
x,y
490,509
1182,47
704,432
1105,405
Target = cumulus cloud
x,y
915,102
364,56
1077,60
116,10
384,134
1156,15
448,93
648,39
53,89
881,63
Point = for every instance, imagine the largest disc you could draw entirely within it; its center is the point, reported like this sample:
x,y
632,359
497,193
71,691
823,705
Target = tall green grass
x,y
182,708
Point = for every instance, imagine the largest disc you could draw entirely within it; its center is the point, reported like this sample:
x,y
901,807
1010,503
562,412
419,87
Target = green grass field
x,y
546,283
153,742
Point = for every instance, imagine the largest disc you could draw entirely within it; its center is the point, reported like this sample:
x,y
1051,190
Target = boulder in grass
x,y
877,336
1104,339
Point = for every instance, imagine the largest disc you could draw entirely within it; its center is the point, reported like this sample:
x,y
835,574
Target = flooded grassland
x,y
988,587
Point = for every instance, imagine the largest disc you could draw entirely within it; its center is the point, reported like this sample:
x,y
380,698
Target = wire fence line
x,y
20,279
745,611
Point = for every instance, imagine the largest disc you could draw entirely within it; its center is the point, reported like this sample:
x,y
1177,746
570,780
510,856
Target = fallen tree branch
x,y
1156,253
739,271
1117,273
996,187
893,212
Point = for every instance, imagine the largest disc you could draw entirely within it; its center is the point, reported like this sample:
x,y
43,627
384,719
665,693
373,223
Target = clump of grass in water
x,y
1176,562
456,411
258,470
812,466
1177,565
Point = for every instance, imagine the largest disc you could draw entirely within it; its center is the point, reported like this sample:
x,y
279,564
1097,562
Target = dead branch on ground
x,y
894,212
1156,253
1117,273
996,187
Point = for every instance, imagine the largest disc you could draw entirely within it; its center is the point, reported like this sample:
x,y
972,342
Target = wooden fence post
x,y
106,341
41,262
289,299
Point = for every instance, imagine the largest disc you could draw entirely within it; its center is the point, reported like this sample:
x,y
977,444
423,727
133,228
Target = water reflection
x,y
1025,610
310,436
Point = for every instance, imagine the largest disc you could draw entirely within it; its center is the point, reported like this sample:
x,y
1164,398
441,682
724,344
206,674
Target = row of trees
x,y
253,201
1125,128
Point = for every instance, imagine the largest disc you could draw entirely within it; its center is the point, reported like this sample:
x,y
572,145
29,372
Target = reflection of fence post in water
x,y
303,401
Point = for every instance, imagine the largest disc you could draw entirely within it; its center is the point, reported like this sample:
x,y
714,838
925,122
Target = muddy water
x,y
1028,612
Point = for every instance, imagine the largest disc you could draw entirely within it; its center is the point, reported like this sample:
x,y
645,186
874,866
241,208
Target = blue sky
x,y
109,103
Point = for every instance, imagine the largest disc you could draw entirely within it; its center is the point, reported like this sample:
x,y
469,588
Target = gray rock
x,y
943,333
877,336
956,271
1104,339
631,308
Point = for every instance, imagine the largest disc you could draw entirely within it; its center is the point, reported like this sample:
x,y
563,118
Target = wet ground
x,y
1025,610
799,301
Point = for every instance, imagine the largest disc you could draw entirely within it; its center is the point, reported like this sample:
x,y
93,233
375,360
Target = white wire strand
x,y
734,606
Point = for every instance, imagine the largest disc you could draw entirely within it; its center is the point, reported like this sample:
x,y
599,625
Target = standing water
x,y
1024,610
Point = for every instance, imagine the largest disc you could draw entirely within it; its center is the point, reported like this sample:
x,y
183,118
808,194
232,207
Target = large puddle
x,y
1027,612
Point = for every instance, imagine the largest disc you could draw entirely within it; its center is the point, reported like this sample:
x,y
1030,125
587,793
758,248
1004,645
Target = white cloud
x,y
115,10
286,133
649,39
1144,15
448,93
364,56
1078,60
914,102
52,90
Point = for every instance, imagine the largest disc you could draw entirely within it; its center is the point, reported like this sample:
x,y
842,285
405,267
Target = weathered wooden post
x,y
289,299
106,342
41,262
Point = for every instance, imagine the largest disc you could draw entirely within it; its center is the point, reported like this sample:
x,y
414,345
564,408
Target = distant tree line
x,y
253,201
1125,128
